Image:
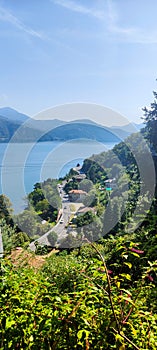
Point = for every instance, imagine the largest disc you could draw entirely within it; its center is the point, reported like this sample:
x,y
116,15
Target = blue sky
x,y
62,51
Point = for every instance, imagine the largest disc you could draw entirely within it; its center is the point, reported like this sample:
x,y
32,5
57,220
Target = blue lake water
x,y
22,165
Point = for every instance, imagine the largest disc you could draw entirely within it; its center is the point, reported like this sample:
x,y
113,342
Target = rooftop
x,y
77,192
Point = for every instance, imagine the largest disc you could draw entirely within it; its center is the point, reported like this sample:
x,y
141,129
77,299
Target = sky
x,y
54,52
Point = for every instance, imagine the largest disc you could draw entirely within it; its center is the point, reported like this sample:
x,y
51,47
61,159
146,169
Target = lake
x,y
24,164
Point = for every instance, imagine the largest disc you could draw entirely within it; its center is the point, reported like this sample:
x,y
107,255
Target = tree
x,y
150,114
150,119
20,239
28,221
84,219
71,185
7,233
36,196
91,199
86,185
70,242
55,201
42,205
6,210
52,238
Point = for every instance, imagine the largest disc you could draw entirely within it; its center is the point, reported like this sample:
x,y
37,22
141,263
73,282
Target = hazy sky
x,y
59,51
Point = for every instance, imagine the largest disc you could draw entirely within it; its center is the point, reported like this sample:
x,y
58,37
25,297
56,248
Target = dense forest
x,y
102,293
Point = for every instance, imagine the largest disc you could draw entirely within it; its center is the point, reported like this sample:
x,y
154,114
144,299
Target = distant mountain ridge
x,y
80,131
13,115
19,127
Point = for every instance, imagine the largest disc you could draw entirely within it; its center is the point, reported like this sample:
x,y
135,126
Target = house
x,y
77,195
110,184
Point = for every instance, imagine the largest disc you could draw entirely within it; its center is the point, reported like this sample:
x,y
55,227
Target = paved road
x,y
59,228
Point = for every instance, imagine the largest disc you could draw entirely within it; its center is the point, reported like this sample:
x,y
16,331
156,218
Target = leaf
x,y
118,337
128,300
128,264
121,247
15,297
10,344
80,333
125,256
135,254
126,275
122,347
118,284
58,298
132,328
126,291
9,323
55,313
85,321
31,338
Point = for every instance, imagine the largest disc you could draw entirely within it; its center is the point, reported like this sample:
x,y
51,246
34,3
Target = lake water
x,y
22,165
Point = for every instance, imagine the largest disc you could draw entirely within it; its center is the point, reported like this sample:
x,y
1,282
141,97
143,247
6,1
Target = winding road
x,y
60,227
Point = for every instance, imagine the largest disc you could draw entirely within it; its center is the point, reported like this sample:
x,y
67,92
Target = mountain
x,y
77,130
139,126
19,132
84,121
36,131
12,115
21,128
46,125
7,129
130,128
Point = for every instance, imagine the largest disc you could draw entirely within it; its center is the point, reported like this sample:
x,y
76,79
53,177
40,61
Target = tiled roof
x,y
77,192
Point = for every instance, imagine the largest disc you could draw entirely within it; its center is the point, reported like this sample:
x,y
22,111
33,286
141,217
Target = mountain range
x,y
18,127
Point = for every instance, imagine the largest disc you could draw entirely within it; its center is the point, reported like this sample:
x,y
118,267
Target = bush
x,y
52,238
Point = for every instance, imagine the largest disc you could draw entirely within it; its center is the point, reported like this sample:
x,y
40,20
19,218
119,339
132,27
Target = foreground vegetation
x,y
102,296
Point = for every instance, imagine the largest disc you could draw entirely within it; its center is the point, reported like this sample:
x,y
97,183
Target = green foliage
x,y
117,206
36,196
28,221
86,185
52,238
45,200
93,170
71,185
84,219
150,119
79,301
12,238
71,241
40,249
91,199
6,209
20,239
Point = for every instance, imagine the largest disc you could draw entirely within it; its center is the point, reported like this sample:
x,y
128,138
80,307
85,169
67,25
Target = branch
x,y
127,339
109,285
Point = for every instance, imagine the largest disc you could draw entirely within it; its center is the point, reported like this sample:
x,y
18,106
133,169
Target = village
x,y
78,206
